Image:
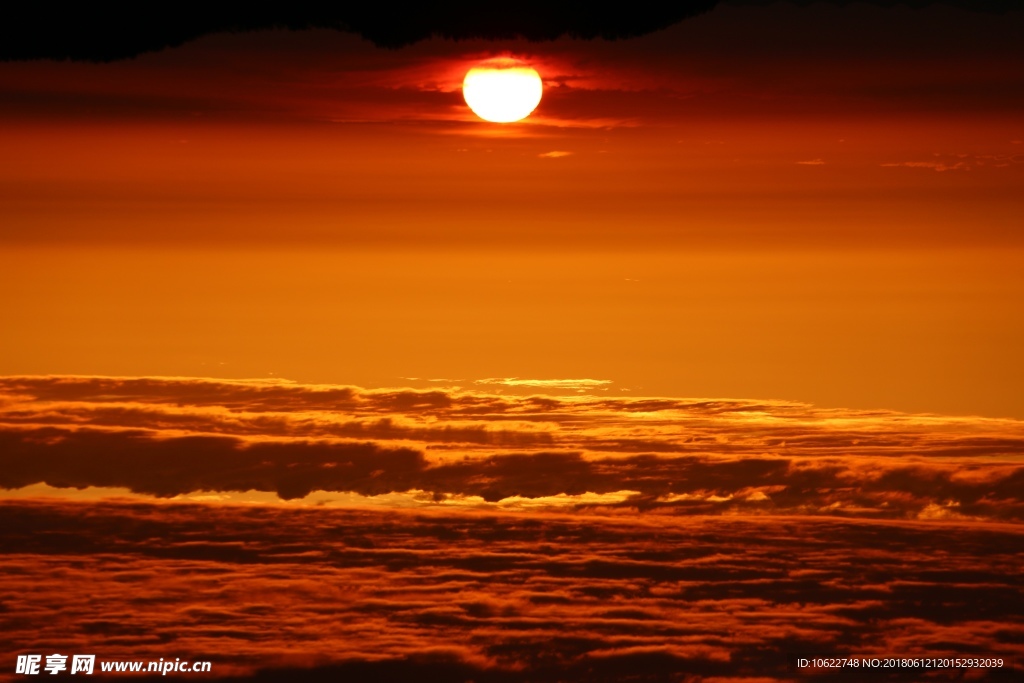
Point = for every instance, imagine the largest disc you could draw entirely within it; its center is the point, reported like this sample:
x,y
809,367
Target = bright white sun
x,y
502,93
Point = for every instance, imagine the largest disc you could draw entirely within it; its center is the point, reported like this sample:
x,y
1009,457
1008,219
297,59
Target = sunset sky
x,y
806,203
292,337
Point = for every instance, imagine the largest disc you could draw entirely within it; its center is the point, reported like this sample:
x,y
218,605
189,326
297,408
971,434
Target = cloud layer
x,y
403,595
173,436
553,538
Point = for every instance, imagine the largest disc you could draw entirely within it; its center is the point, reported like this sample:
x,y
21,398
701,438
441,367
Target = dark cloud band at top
x,y
87,33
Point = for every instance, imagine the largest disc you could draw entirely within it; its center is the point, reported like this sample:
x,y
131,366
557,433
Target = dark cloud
x,y
995,6
46,31
183,391
89,33
166,466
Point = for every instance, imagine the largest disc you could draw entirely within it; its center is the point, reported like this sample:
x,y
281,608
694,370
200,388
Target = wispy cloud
x,y
933,165
961,162
545,383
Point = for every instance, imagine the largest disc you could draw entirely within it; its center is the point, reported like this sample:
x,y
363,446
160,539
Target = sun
x,y
502,91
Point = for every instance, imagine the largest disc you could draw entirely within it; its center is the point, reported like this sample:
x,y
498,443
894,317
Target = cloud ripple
x,y
265,591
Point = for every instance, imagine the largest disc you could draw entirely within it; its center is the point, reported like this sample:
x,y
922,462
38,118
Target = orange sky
x,y
813,204
859,328
706,133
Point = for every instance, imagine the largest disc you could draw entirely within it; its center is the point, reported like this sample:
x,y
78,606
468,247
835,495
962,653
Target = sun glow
x,y
502,92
